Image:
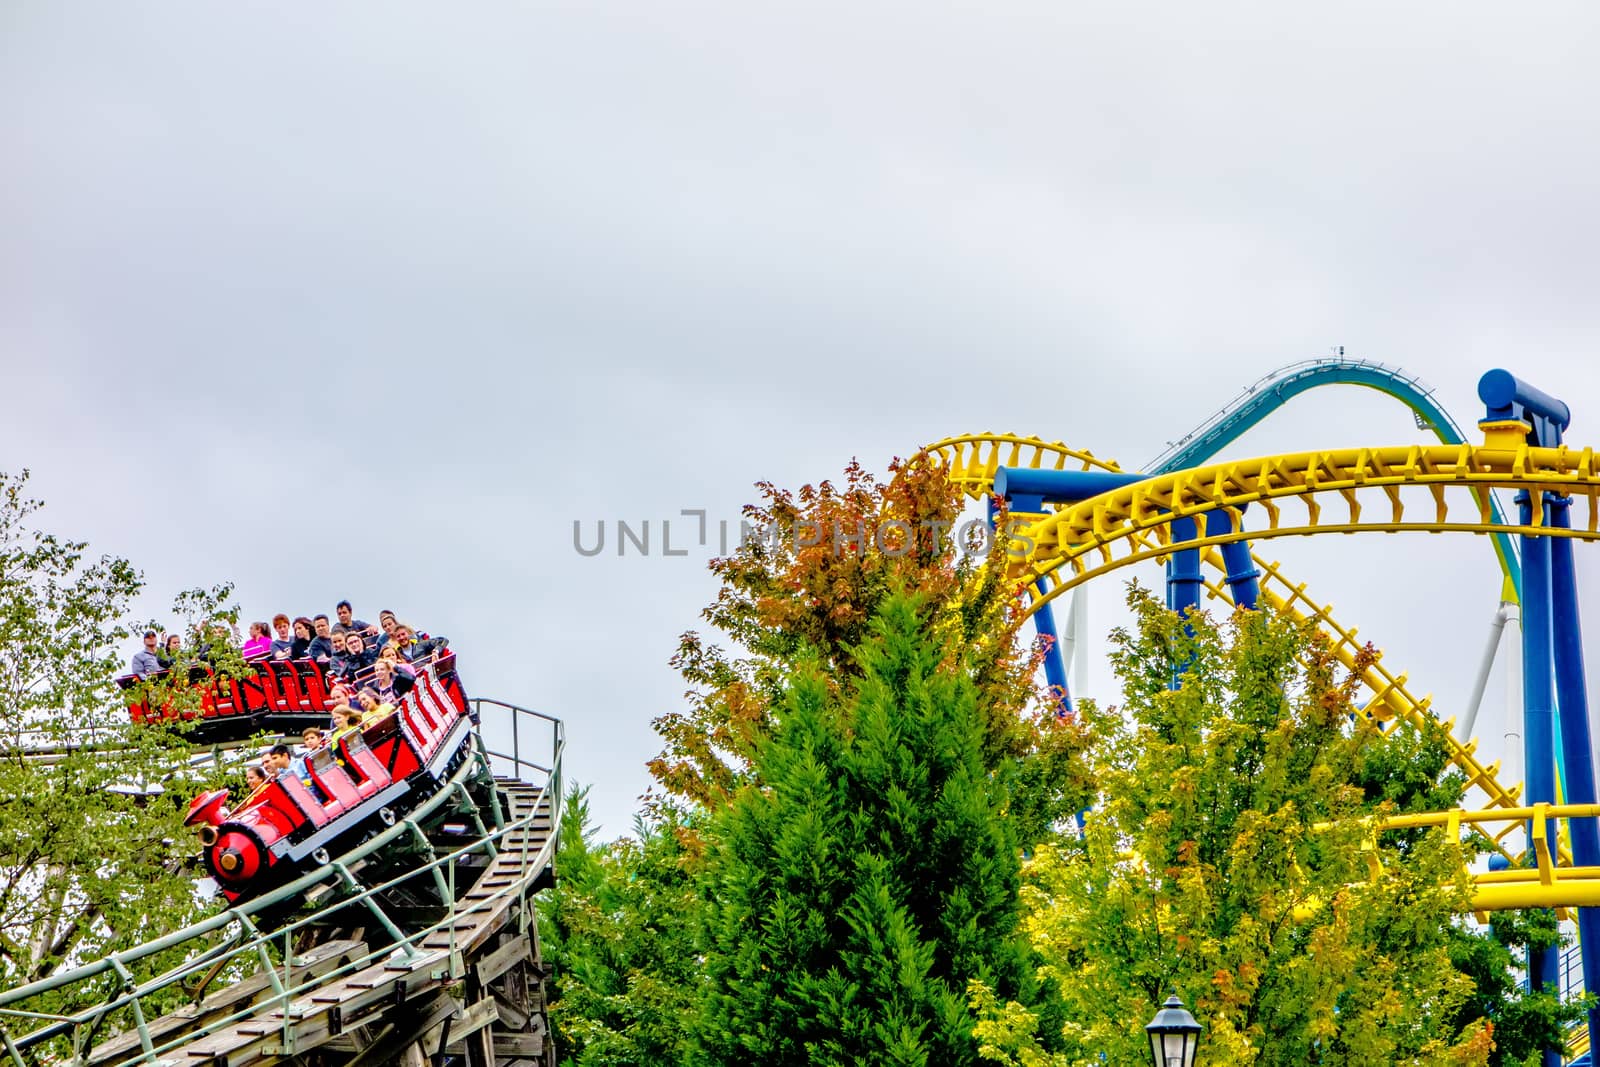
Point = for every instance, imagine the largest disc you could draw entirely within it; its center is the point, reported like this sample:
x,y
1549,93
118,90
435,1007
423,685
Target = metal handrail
x,y
334,872
558,735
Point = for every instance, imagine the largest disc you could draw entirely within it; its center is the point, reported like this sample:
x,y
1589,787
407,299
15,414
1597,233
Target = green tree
x,y
92,858
806,597
1231,859
805,591
619,931
868,873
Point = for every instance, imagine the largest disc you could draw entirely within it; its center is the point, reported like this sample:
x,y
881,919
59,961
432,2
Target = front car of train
x,y
367,776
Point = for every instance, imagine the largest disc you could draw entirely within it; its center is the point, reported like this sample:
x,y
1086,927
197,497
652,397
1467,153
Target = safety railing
x,y
524,737
241,945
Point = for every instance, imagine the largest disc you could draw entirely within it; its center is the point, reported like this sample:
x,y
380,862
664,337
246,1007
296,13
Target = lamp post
x,y
1174,1035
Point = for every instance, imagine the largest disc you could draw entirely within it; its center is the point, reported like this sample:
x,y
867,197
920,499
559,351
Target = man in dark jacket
x,y
322,643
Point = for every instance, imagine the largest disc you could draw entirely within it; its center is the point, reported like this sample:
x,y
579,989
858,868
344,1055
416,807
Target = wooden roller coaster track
x,y
357,976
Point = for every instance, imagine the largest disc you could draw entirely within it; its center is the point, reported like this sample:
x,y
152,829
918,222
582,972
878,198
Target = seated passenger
x,y
390,653
260,644
322,644
172,652
348,623
388,624
300,647
218,635
282,643
145,661
356,654
279,758
313,740
386,684
419,649
282,760
348,722
338,661
256,780
341,702
372,707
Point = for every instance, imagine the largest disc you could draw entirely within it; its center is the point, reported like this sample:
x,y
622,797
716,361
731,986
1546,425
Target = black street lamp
x,y
1174,1035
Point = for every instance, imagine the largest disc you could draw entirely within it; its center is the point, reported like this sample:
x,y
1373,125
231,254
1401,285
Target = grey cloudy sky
x,y
374,300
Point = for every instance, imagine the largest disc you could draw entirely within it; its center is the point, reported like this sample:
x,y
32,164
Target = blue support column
x,y
1243,578
1044,619
1572,698
1055,665
1184,580
1538,711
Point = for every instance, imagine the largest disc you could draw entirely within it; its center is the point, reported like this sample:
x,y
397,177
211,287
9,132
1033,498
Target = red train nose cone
x,y
206,809
236,858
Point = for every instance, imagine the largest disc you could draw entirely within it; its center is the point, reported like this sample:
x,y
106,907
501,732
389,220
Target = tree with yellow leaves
x,y
1231,859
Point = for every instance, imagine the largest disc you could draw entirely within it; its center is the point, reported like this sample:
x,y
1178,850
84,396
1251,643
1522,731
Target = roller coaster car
x,y
280,696
367,777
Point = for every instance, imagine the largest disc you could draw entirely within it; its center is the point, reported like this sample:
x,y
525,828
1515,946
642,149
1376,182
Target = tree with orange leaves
x,y
804,590
801,610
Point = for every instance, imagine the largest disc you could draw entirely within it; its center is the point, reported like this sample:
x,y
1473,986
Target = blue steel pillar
x,y
1538,711
1055,665
1243,578
1572,699
1029,490
1184,580
1044,619
1546,652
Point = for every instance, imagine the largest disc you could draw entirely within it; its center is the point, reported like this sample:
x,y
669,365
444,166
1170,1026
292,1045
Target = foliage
x,y
1524,1022
806,589
868,872
90,861
619,933
1231,860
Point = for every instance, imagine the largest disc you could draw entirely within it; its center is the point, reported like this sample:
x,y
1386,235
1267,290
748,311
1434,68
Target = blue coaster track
x,y
1278,388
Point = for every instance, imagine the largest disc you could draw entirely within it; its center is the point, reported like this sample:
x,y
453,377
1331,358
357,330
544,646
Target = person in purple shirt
x,y
260,644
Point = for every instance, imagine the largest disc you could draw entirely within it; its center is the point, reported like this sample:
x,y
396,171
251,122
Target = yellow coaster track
x,y
1075,543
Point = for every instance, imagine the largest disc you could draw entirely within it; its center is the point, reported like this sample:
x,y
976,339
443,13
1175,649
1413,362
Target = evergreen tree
x,y
619,933
804,598
868,873
806,593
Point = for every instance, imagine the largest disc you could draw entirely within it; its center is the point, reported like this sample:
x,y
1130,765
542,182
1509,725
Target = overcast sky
x,y
373,301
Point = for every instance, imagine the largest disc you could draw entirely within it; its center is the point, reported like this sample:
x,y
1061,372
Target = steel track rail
x,y
1097,536
971,462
